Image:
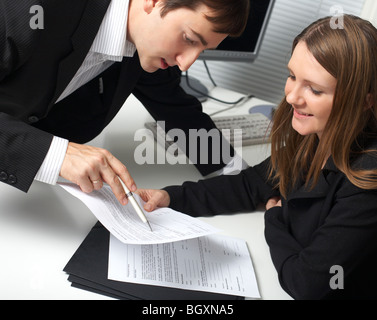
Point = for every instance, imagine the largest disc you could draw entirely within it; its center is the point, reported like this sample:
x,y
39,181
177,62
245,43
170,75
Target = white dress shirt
x,y
109,46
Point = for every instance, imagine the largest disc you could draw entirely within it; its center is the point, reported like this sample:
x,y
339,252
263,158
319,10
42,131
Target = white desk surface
x,y
41,230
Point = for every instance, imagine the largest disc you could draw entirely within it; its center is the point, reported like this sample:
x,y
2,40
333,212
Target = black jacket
x,y
37,65
335,224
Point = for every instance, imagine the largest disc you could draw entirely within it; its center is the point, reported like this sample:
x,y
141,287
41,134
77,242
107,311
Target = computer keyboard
x,y
255,128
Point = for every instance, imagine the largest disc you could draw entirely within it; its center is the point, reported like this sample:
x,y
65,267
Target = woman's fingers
x,y
154,198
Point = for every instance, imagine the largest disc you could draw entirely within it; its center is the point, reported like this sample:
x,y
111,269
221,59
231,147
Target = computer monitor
x,y
246,47
242,49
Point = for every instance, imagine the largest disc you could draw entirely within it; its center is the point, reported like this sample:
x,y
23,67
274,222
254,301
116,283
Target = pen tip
x,y
150,226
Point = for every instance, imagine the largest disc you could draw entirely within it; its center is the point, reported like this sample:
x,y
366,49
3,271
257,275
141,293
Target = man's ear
x,y
149,5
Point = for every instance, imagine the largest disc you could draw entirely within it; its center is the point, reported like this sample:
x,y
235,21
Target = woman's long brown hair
x,y
350,55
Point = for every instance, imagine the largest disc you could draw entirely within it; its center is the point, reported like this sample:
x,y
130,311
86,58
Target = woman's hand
x,y
89,167
154,198
273,202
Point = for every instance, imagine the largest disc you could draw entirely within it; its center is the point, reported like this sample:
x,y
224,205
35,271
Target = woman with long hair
x,y
320,183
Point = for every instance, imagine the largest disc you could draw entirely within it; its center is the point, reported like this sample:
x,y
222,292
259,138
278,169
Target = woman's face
x,y
310,91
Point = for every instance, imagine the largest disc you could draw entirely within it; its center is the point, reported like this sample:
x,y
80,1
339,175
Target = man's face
x,y
177,39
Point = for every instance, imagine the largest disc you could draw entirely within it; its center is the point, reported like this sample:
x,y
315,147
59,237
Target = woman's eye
x,y
316,92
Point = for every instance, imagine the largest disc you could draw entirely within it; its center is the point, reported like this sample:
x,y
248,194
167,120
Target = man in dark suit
x,y
65,77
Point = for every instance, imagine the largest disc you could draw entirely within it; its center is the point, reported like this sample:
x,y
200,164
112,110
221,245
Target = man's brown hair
x,y
228,17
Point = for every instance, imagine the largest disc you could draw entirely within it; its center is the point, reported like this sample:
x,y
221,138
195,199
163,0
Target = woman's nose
x,y
293,95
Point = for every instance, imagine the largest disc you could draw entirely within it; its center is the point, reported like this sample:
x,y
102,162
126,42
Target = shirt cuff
x,y
51,166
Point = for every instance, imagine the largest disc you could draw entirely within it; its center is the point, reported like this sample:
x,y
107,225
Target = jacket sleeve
x,y
22,147
224,194
165,100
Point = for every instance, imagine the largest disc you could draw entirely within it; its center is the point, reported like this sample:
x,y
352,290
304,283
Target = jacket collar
x,y
320,190
367,142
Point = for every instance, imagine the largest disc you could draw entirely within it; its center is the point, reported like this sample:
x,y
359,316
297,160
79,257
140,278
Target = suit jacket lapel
x,y
82,40
128,78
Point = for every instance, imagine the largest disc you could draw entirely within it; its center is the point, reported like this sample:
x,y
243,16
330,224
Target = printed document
x,y
124,223
212,263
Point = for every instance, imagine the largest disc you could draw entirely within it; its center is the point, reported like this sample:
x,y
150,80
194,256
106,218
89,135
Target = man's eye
x,y
188,40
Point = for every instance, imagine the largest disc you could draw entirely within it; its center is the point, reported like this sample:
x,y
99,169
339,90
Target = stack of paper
x,y
213,263
180,259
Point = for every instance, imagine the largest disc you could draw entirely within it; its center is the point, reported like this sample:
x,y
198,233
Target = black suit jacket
x,y
37,65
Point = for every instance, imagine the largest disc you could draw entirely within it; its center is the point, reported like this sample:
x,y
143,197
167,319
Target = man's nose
x,y
186,59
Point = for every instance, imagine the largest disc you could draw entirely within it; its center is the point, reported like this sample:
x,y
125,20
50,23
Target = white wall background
x,y
266,77
370,11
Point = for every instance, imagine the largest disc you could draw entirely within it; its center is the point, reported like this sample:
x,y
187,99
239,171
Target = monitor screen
x,y
246,47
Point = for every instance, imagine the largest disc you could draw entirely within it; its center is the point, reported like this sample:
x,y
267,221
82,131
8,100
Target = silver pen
x,y
134,203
